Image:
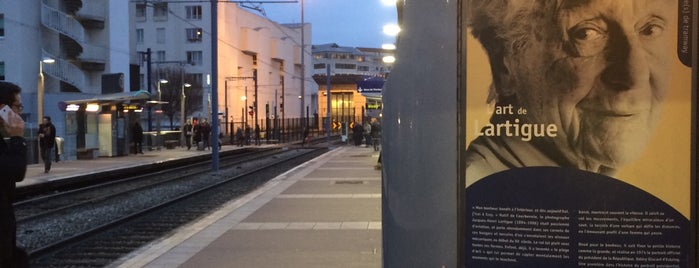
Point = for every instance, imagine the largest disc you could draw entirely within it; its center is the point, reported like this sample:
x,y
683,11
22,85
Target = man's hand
x,y
14,127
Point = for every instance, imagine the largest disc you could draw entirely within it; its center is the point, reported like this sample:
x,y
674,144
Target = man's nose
x,y
625,63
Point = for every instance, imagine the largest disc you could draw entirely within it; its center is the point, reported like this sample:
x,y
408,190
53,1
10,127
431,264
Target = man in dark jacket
x,y
47,140
13,163
137,137
188,128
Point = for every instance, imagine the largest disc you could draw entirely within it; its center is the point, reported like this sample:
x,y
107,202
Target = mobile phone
x,y
5,112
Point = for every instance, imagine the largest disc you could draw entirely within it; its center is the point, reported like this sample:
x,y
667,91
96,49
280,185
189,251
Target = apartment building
x,y
258,59
345,60
60,51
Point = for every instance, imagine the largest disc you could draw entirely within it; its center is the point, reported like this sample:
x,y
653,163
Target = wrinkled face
x,y
601,76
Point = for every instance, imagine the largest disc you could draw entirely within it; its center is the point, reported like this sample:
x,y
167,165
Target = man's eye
x,y
586,34
651,31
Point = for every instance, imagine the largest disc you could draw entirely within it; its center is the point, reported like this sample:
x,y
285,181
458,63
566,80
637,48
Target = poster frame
x,y
462,142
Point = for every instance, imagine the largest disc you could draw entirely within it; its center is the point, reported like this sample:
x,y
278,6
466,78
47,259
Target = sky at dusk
x,y
354,23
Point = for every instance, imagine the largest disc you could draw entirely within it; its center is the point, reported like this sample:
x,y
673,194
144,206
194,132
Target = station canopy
x,y
113,97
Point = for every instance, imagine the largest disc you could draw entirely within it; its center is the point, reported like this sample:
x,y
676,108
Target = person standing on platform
x,y
357,132
206,133
137,133
188,134
257,135
248,134
47,140
13,163
239,137
375,134
367,133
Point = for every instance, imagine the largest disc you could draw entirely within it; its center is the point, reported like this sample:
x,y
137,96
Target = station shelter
x,y
101,126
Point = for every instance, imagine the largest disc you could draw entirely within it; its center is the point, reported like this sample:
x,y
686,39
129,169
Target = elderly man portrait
x,y
575,83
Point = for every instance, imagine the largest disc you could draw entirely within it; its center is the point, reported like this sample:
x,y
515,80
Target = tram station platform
x,y
323,213
71,168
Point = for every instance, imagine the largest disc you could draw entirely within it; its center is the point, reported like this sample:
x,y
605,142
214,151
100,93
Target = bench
x,y
88,153
171,144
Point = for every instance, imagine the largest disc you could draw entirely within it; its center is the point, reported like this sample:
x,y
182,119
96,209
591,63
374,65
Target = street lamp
x,y
160,111
40,89
161,81
182,114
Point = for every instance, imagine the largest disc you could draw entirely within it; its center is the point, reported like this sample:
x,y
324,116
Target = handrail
x,y
65,71
62,23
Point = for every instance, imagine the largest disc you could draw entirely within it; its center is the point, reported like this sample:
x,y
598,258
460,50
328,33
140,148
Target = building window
x,y
193,12
160,11
160,55
194,34
363,68
139,36
140,11
345,66
319,66
2,26
194,57
2,70
318,56
160,34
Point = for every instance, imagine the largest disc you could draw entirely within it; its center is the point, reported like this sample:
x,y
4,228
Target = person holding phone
x,y
13,163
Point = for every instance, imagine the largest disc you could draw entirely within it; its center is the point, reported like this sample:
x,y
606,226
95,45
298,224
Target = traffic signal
x,y
251,110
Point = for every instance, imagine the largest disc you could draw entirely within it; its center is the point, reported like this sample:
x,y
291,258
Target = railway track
x,y
93,227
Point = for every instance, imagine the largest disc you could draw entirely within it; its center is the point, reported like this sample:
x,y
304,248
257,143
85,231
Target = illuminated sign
x,y
92,107
72,108
373,106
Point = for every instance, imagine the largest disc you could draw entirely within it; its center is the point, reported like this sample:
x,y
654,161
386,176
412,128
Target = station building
x,y
356,80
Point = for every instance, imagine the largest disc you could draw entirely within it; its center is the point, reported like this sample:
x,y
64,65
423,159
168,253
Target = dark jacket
x,y
49,139
188,130
137,133
13,163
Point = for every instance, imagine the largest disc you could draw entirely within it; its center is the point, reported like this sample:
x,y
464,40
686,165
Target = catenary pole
x,y
214,83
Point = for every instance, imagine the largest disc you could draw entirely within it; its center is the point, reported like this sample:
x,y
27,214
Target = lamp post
x,y
40,90
160,110
182,114
161,81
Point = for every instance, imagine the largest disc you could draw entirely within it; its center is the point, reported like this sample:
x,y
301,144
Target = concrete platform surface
x,y
324,213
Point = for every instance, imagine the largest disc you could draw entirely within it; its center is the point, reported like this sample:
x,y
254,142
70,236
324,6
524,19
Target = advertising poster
x,y
578,126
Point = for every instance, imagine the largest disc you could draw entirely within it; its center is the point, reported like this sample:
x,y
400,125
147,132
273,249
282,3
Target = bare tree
x,y
171,92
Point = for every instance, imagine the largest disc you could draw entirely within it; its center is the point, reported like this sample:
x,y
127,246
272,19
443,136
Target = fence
x,y
285,130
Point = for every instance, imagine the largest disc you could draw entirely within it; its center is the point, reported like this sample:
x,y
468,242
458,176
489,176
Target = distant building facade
x,y
178,34
350,60
351,69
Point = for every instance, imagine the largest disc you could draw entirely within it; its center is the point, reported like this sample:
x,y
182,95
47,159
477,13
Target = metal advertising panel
x,y
580,133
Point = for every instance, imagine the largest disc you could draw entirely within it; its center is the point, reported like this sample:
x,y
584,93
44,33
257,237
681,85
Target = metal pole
x,y
40,95
282,106
303,65
225,96
255,112
329,104
182,113
214,82
148,80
